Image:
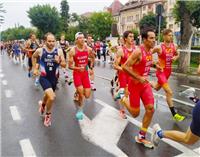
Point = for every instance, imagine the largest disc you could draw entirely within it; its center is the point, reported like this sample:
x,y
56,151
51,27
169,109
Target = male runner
x,y
49,58
78,62
121,57
191,136
31,47
167,53
138,67
91,62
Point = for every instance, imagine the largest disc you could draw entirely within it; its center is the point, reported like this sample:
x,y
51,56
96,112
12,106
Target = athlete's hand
x,y
57,59
143,80
174,58
35,72
82,68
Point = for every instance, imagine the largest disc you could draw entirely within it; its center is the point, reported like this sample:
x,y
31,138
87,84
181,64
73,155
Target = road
x,y
101,133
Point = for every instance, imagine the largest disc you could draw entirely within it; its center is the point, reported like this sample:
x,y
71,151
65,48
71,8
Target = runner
x,y
31,46
49,60
91,62
64,45
191,136
78,62
167,53
121,57
138,67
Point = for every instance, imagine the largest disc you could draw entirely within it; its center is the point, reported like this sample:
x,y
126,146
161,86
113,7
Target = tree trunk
x,y
186,34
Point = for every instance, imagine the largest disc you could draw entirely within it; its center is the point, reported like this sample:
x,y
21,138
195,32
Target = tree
x,y
187,13
45,18
100,24
64,15
150,20
17,33
1,13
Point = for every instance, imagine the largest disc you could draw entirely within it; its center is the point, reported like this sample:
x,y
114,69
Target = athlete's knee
x,y
51,97
135,112
150,109
169,92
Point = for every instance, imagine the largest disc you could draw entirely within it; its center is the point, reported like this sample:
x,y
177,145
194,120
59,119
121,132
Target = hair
x,y
47,34
126,33
89,35
144,32
167,31
31,34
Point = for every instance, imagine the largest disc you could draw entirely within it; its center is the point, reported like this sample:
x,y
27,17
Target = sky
x,y
16,10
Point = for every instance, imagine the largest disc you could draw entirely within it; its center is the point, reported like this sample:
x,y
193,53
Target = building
x,y
128,17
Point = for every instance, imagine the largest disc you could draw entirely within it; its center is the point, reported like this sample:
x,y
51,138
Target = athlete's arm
x,y
118,59
91,55
61,58
177,54
157,49
134,59
35,61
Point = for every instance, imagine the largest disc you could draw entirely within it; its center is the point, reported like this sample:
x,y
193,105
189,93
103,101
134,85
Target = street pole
x,y
159,23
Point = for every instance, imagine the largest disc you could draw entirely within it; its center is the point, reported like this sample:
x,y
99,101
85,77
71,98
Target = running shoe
x,y
122,114
188,93
79,115
155,139
47,120
145,142
178,117
37,82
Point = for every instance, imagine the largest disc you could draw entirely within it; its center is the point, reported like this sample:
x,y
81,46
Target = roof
x,y
137,4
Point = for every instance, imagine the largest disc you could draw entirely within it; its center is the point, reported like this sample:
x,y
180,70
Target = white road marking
x,y
27,148
8,93
15,113
190,87
180,147
4,82
176,100
1,75
197,150
100,132
156,94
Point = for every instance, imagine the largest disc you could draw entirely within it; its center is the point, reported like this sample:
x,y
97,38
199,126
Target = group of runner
x,y
132,64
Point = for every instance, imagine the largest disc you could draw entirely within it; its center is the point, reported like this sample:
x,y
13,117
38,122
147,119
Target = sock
x,y
48,113
172,110
142,133
43,104
160,133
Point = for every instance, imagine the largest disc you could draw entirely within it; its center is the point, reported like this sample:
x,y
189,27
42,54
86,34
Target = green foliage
x,y
193,7
136,33
64,15
100,25
45,18
71,33
150,21
16,33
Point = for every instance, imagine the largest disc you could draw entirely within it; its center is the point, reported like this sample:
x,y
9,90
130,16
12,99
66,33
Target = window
x,y
129,19
144,7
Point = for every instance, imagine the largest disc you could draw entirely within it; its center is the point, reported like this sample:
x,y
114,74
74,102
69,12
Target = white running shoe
x,y
154,136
